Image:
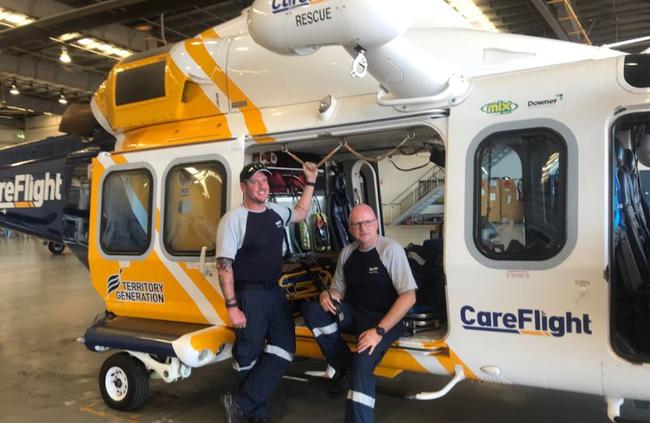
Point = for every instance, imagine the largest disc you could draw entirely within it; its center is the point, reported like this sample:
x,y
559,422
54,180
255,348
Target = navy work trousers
x,y
264,349
360,403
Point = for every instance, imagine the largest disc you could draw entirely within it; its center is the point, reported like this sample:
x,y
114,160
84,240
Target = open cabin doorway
x,y
356,175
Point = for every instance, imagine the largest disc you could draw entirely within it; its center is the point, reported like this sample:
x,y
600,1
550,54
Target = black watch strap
x,y
380,331
310,184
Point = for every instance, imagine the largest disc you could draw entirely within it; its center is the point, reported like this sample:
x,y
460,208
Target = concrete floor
x,y
46,303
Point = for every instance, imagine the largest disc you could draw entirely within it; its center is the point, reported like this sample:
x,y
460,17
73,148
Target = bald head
x,y
362,212
364,226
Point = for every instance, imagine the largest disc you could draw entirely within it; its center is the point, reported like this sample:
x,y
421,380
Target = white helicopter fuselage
x,y
544,323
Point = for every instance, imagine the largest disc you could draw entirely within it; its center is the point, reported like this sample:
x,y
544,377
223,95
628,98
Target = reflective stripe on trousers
x,y
325,330
239,368
280,352
361,398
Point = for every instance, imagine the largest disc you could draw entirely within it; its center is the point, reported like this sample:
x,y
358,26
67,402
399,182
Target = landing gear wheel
x,y
55,248
124,382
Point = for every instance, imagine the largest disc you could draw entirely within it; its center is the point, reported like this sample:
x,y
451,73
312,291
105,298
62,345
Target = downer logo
x,y
525,322
545,102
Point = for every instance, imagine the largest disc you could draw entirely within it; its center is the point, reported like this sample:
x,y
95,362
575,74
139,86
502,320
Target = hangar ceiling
x,y
97,34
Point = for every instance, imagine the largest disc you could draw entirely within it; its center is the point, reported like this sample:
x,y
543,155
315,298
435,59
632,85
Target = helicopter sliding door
x,y
154,213
630,239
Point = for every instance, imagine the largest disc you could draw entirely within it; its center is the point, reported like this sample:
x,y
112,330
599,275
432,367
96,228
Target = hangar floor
x,y
46,302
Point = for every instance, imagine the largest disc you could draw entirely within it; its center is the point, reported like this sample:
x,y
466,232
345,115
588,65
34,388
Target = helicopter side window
x,y
130,89
195,200
637,70
521,189
126,212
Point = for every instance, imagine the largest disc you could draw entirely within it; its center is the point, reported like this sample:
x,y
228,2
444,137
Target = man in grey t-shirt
x,y
373,289
249,255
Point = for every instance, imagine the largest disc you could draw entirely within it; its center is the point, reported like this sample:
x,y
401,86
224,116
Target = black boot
x,y
340,382
231,411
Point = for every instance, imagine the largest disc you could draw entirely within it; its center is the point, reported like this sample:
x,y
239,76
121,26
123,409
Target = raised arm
x,y
304,204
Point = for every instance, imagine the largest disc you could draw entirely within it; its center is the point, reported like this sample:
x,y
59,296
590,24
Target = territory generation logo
x,y
525,322
500,107
135,292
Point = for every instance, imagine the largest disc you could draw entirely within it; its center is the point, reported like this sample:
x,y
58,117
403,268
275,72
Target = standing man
x,y
249,258
372,291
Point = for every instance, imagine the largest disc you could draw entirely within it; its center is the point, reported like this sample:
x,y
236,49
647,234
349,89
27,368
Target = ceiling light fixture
x,y
473,14
74,39
68,36
14,90
62,99
99,47
12,19
143,27
65,57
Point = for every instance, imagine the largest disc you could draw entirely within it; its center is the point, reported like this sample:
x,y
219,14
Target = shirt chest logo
x,y
278,224
373,270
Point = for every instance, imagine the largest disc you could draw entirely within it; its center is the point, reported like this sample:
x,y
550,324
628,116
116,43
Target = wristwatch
x,y
380,331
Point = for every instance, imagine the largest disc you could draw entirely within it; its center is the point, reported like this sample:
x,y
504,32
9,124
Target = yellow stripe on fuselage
x,y
208,290
157,220
450,361
200,54
252,115
119,159
212,338
395,358
209,33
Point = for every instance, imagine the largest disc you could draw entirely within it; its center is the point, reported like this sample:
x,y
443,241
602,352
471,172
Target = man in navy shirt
x,y
373,289
249,256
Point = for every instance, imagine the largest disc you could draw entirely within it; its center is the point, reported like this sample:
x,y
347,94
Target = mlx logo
x,y
500,107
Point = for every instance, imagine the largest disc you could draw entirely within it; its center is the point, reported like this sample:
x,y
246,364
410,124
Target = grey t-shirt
x,y
254,241
232,228
393,258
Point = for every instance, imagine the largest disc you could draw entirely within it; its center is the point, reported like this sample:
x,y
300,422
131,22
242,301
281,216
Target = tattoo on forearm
x,y
224,264
226,280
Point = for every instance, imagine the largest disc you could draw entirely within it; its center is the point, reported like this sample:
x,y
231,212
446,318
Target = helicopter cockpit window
x,y
520,182
130,89
637,70
194,203
126,212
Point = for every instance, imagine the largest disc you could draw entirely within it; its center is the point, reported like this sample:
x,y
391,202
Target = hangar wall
x,y
395,182
35,128
42,127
